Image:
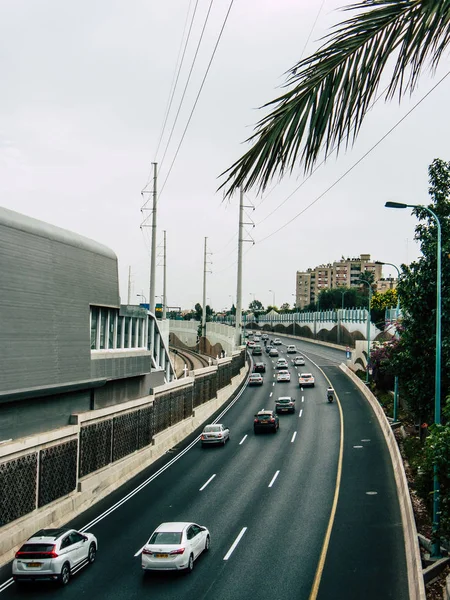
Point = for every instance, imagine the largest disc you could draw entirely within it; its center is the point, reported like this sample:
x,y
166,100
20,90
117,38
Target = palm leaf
x,y
329,92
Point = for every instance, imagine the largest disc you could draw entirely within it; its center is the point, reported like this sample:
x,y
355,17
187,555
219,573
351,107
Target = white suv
x,y
291,349
54,555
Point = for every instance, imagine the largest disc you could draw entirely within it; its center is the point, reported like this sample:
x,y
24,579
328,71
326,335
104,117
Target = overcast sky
x,y
85,86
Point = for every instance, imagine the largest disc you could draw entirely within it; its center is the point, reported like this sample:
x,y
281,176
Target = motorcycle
x,y
330,395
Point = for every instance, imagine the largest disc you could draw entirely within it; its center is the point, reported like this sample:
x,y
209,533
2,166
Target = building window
x,y
103,317
94,321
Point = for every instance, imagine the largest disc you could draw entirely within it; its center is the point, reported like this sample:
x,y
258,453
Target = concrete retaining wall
x,y
414,565
96,486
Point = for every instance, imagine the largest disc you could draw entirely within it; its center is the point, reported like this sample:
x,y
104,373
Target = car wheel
x,y
64,576
207,543
190,566
92,553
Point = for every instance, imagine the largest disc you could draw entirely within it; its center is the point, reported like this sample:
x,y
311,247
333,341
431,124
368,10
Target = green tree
x,y
256,306
285,308
329,93
383,300
414,360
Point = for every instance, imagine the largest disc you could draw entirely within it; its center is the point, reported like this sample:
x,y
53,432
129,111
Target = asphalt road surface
x,y
309,512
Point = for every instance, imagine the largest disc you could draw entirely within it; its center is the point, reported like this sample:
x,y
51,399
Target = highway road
x,y
309,512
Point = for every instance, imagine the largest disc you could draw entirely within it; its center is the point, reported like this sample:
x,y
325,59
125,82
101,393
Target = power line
x,y
319,165
173,86
358,161
198,95
186,85
176,74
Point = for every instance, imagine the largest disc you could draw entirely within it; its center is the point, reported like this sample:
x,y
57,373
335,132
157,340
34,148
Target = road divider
x,y
274,479
235,543
208,482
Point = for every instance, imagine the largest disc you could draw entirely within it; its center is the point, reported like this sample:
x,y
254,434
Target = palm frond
x,y
330,92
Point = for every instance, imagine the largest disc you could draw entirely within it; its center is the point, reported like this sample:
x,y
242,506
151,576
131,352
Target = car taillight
x,y
53,554
202,437
255,420
271,420
219,435
145,551
178,551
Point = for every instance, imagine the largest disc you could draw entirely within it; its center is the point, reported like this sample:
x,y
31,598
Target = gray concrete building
x,y
66,342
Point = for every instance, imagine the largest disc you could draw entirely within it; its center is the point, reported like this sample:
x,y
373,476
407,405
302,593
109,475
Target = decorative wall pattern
x,y
18,480
95,446
161,414
145,433
125,434
57,471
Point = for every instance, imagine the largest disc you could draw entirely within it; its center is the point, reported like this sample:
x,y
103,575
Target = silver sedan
x,y
215,434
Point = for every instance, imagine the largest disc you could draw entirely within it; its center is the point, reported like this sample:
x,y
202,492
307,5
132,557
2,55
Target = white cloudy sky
x,y
85,86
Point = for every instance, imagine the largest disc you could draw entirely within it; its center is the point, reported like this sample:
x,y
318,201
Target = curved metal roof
x,y
15,220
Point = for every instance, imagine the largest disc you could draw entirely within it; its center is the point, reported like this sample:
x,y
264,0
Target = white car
x,y
299,361
306,380
283,376
291,349
175,547
281,364
215,434
54,555
277,342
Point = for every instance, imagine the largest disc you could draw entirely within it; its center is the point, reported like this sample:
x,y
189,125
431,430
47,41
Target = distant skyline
x,y
88,85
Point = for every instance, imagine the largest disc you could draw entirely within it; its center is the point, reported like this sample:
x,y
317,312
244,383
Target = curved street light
x,y
436,547
397,312
368,328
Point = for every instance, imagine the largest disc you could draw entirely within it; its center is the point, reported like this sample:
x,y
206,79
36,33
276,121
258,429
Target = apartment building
x,y
342,273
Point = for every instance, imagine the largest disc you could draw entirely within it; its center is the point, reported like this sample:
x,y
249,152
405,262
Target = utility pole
x,y
164,314
241,240
151,296
205,263
129,285
238,331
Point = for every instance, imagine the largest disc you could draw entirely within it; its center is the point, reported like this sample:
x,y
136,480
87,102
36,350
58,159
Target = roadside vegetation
x,y
411,355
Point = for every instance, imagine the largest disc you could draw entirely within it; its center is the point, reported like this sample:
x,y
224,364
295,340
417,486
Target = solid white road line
x,y
6,584
273,478
235,543
303,398
161,470
294,435
273,382
243,439
271,394
205,484
300,413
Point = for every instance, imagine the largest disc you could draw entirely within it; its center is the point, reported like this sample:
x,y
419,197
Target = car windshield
x,y
283,372
283,400
210,428
37,548
306,375
264,417
166,537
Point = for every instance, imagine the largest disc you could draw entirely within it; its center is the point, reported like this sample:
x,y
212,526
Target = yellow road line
x,y
326,541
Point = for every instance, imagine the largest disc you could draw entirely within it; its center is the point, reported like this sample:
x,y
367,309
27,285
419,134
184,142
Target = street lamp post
x,y
394,416
436,547
143,297
368,327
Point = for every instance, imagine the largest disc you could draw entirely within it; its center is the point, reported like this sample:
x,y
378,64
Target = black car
x,y
259,367
266,420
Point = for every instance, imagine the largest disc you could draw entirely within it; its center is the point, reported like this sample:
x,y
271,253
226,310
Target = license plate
x,y
162,555
34,564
